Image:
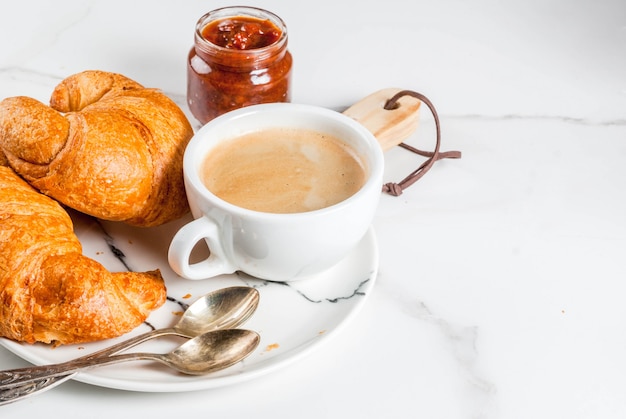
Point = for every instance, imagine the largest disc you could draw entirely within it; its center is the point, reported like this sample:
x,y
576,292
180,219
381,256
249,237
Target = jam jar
x,y
239,58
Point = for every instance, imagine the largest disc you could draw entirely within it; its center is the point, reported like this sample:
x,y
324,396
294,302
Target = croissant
x,y
106,146
49,291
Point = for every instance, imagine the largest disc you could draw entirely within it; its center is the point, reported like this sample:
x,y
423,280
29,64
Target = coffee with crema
x,y
283,170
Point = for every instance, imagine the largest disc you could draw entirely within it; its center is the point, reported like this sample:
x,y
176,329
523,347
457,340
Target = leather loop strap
x,y
396,189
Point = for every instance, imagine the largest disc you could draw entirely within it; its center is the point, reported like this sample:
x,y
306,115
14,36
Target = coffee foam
x,y
283,170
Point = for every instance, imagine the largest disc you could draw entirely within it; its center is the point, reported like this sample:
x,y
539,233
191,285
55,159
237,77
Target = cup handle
x,y
185,240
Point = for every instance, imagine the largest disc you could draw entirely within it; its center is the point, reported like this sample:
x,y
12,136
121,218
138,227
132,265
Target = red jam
x,y
241,33
239,58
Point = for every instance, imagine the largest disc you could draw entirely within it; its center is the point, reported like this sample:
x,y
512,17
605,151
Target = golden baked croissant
x,y
49,291
106,146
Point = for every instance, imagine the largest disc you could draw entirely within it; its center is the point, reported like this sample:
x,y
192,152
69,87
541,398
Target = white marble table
x,y
500,287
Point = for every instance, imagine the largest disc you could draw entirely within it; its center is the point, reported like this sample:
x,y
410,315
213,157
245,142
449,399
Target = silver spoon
x,y
203,354
221,309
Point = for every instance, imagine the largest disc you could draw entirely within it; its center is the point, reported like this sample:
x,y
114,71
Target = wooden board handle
x,y
390,127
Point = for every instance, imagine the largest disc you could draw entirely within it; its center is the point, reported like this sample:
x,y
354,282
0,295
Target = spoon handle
x,y
129,343
18,391
20,376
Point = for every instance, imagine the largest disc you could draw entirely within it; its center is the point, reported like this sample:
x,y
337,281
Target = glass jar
x,y
239,58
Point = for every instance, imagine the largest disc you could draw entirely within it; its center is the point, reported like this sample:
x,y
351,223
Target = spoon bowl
x,y
210,351
224,308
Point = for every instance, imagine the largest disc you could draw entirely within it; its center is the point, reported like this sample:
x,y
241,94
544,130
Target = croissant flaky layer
x,y
105,146
49,291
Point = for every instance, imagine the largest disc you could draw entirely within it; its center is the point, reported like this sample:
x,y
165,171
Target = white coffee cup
x,y
274,246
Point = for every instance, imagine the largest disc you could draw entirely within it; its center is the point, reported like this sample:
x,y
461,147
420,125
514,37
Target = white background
x,y
500,289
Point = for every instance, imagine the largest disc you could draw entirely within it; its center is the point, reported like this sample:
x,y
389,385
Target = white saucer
x,y
292,319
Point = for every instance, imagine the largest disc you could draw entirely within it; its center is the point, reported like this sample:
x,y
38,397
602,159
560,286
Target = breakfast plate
x,y
292,318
